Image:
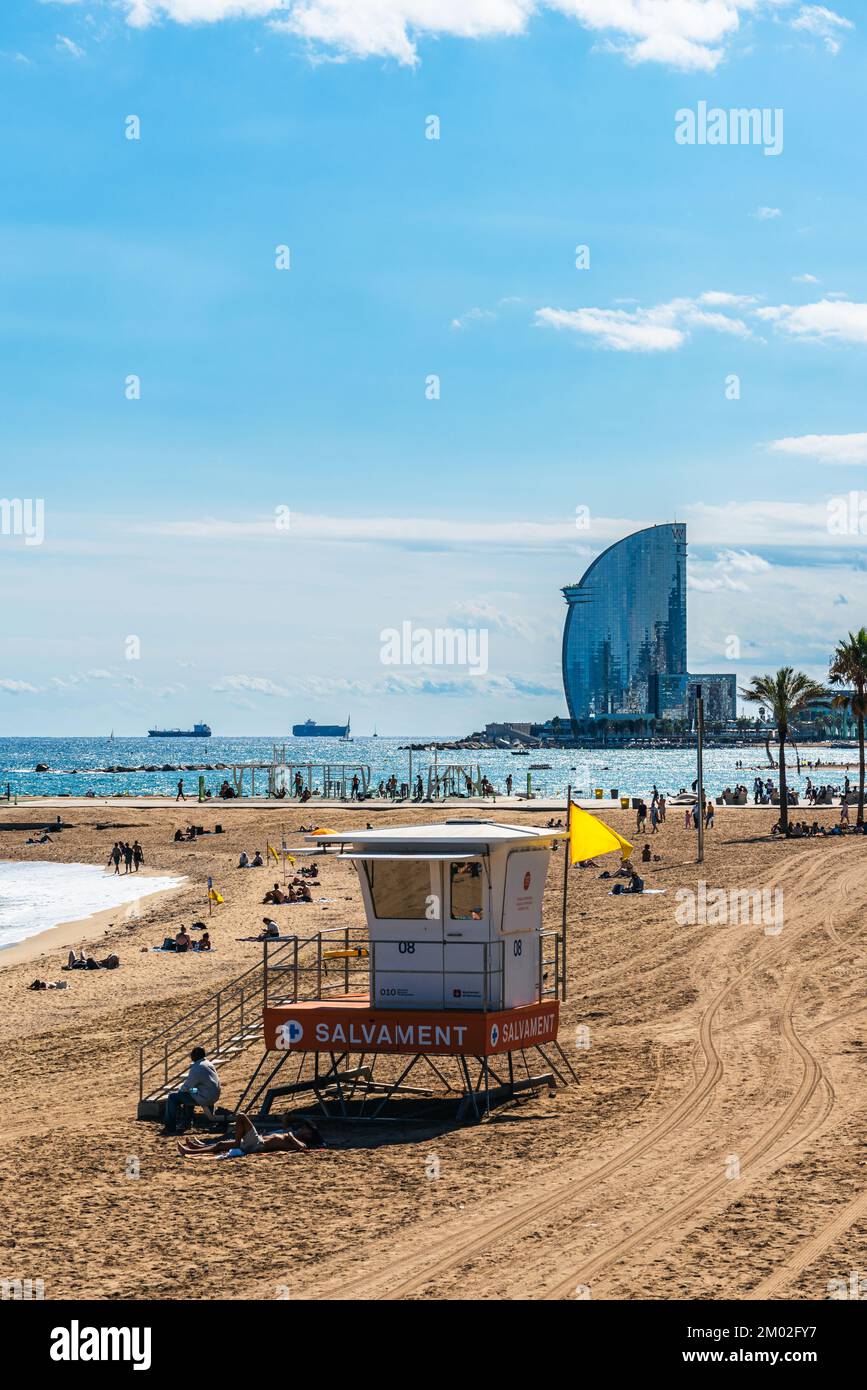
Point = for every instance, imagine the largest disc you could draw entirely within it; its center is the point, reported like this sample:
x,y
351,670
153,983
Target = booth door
x,y
521,925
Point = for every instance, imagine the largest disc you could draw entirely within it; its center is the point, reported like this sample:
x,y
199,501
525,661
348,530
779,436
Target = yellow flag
x,y
272,851
291,858
589,836
214,896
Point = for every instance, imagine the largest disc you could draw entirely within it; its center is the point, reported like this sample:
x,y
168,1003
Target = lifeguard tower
x,y
452,972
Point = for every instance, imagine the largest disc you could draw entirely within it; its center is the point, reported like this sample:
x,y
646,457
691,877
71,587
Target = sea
x,y
547,772
36,895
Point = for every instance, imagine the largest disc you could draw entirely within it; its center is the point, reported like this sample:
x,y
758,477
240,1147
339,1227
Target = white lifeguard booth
x,y
454,914
453,962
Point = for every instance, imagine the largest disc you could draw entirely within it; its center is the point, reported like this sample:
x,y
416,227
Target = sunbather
x,y
248,1140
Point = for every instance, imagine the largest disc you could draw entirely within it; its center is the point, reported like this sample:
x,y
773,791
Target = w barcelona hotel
x,y
624,643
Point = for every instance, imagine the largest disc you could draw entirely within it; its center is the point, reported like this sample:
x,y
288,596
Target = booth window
x,y
466,891
400,889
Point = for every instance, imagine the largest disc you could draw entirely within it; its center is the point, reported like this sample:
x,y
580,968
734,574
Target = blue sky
x,y
304,125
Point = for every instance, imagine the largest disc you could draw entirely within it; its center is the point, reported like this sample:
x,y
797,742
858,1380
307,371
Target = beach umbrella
x,y
589,836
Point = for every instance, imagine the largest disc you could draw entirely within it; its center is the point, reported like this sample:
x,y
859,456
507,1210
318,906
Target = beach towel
x,y
645,892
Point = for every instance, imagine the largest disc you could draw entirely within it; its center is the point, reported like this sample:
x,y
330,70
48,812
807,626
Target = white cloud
x,y
13,687
806,279
66,45
419,532
832,319
823,24
743,561
766,214
481,613
686,34
256,685
724,572
662,328
801,525
471,316
722,298
825,448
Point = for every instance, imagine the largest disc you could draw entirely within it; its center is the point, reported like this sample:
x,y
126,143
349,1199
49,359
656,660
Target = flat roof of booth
x,y
443,838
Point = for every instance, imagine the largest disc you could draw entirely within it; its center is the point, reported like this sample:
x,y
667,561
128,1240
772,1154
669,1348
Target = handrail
x,y
223,1020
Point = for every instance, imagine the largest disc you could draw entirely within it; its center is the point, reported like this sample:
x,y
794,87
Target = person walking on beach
x,y
114,857
654,818
708,818
509,785
137,855
180,796
662,810
127,857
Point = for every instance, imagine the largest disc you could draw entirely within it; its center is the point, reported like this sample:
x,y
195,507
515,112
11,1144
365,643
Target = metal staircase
x,y
227,1023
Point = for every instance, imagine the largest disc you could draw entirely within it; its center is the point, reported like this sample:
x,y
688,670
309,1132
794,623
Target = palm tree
x,y
784,695
849,667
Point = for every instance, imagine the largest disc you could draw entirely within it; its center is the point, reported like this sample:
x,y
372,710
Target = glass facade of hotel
x,y
626,623
624,643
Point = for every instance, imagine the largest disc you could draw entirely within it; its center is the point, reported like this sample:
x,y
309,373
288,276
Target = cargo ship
x,y
310,729
197,731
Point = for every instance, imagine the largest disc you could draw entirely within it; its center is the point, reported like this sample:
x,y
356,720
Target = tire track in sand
x,y
811,1250
406,1274
811,1077
662,1225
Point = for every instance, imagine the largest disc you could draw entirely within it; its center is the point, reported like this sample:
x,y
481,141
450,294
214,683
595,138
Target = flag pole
x,y
699,725
566,880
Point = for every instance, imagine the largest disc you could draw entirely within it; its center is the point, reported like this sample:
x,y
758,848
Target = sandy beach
x,y
713,1147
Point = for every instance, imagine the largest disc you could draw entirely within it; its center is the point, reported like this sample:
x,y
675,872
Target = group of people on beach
x,y
656,814
132,856
296,891
798,830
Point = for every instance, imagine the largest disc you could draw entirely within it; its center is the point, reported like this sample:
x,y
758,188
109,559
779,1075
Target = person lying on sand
x,y
248,1140
47,984
83,962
